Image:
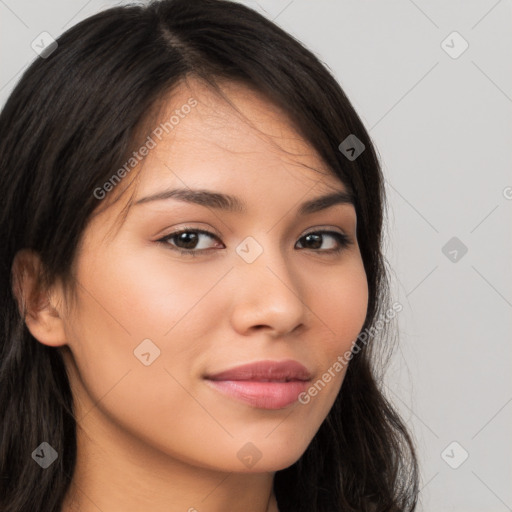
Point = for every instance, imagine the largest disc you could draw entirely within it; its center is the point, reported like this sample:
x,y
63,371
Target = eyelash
x,y
343,240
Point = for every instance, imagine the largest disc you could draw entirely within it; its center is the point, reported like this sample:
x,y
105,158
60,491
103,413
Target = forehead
x,y
235,142
240,136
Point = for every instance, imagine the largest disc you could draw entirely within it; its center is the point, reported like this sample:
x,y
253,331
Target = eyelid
x,y
206,230
211,232
323,227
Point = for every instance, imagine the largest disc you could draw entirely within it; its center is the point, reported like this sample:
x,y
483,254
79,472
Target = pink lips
x,y
265,384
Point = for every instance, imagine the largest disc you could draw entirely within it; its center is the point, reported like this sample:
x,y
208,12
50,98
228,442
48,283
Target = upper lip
x,y
265,371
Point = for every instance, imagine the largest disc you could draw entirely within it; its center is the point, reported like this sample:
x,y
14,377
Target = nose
x,y
268,294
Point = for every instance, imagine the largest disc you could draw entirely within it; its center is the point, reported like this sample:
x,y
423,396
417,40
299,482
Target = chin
x,y
250,458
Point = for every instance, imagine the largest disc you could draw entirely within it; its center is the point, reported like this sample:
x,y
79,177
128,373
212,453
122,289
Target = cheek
x,y
123,303
343,305
339,302
152,402
149,296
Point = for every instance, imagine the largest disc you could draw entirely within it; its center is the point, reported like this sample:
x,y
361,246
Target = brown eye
x,y
186,240
315,240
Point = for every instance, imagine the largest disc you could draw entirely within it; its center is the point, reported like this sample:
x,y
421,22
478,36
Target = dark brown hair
x,y
68,125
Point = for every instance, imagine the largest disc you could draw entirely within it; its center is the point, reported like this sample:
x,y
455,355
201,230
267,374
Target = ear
x,y
38,306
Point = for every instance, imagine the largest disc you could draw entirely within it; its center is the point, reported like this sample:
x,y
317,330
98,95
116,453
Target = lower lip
x,y
264,395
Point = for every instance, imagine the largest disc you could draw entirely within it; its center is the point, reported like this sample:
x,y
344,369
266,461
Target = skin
x,y
158,437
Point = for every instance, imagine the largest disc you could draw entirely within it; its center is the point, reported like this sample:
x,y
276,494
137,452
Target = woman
x,y
193,288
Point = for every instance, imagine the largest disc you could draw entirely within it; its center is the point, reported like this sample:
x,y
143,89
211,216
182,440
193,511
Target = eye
x,y
316,239
186,241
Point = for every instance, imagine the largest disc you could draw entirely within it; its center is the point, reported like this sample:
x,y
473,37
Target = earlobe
x,y
37,305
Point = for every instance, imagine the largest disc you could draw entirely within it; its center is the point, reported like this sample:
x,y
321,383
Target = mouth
x,y
264,384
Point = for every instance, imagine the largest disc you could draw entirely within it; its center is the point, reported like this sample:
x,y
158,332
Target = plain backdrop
x,y
432,82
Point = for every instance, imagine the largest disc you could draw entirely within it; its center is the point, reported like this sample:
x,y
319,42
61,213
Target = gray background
x,y
442,126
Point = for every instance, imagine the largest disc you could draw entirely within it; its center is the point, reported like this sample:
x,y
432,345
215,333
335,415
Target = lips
x,y
265,371
264,385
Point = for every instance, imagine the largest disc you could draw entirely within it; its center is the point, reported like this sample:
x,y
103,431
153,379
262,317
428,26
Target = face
x,y
185,290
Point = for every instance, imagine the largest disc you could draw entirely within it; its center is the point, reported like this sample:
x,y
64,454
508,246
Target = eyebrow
x,y
233,204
